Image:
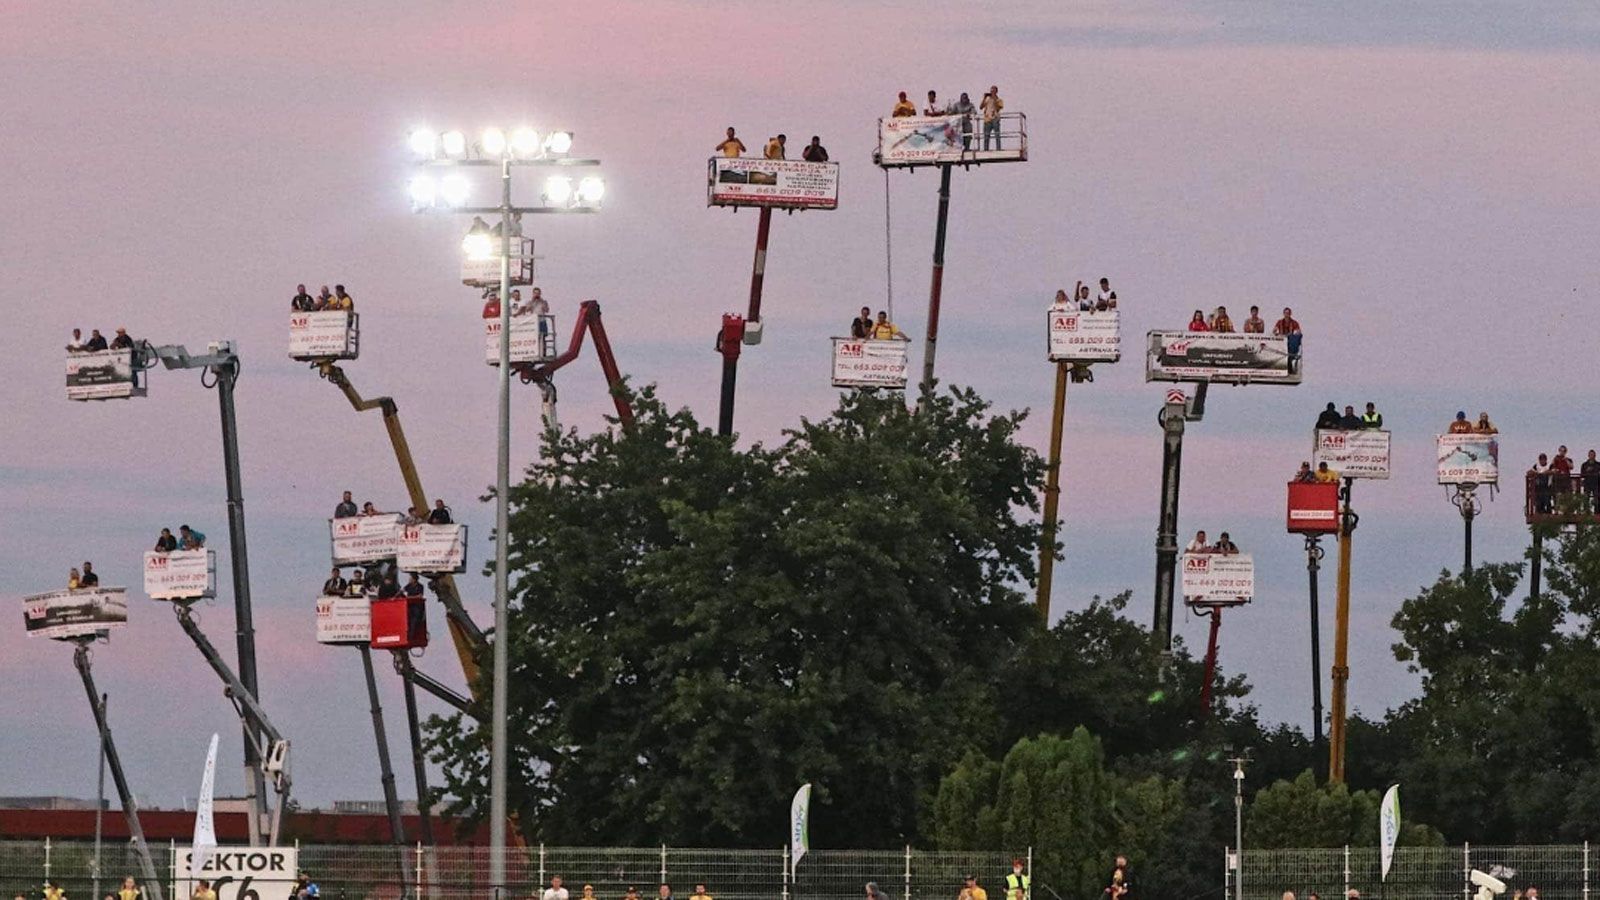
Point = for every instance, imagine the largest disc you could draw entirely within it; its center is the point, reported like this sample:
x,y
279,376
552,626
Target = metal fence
x,y
357,872
1416,873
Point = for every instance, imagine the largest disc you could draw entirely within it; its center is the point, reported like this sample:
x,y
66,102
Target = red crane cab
x,y
400,623
1313,508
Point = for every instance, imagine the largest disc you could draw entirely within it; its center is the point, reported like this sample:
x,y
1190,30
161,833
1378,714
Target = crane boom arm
x,y
588,321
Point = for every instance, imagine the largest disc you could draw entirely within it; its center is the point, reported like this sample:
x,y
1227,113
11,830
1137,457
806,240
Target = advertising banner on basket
x,y
869,363
432,548
1191,356
1084,336
97,376
528,340
922,139
344,620
486,272
788,183
238,873
179,575
1217,577
1469,459
318,334
364,539
1353,454
69,614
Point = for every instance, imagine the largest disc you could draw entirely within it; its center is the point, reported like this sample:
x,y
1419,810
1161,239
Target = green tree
x,y
1303,813
695,630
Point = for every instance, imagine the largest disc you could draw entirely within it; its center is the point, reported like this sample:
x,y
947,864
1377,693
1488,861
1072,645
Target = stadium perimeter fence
x,y
360,872
1560,872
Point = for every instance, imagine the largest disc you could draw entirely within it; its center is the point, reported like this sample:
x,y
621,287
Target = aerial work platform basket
x,y
776,183
533,339
908,141
180,574
869,363
76,613
105,375
1313,507
1223,357
328,334
344,620
399,624
1082,336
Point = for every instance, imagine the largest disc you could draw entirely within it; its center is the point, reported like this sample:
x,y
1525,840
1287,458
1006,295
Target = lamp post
x,y
523,147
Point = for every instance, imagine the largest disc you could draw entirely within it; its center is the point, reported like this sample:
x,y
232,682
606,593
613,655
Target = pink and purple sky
x,y
1419,183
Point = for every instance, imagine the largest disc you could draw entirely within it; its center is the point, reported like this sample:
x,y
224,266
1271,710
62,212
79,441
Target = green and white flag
x,y
1389,826
799,826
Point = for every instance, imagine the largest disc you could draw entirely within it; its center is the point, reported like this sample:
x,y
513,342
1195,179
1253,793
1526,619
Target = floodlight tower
x,y
495,149
765,184
1075,341
1203,358
121,373
947,141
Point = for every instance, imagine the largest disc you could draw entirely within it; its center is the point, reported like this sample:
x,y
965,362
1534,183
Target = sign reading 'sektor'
x,y
180,574
364,539
1217,577
1084,336
784,183
869,363
75,613
1362,453
239,873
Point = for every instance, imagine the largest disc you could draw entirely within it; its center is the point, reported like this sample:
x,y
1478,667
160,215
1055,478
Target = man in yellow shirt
x,y
776,146
731,147
884,330
700,893
1326,475
204,892
904,107
53,891
129,890
972,891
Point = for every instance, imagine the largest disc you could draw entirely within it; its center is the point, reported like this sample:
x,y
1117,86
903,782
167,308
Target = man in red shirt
x,y
1289,328
491,306
1561,471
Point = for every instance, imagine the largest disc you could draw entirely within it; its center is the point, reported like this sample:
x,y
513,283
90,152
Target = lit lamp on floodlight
x,y
477,244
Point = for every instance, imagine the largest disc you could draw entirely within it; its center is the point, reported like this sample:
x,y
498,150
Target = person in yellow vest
x,y
971,891
204,892
1018,884
53,891
884,330
129,890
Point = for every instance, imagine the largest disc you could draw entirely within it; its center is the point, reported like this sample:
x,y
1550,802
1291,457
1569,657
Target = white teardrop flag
x,y
799,826
1389,826
205,829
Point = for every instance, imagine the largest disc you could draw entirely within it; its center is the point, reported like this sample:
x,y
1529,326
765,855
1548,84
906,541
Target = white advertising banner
x,y
101,376
869,363
486,272
1353,454
1218,577
783,183
344,620
180,575
322,335
531,339
238,873
432,549
1227,357
910,140
70,614
1469,459
364,539
1084,336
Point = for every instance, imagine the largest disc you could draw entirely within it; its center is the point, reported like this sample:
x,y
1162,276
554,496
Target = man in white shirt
x,y
1107,298
1199,544
555,891
933,108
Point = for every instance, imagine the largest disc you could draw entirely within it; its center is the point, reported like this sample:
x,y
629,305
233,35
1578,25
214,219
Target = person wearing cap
x,y
1018,883
971,891
1461,425
122,341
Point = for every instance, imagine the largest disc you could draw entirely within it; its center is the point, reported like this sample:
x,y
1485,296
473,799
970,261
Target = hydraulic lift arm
x,y
130,806
464,633
588,320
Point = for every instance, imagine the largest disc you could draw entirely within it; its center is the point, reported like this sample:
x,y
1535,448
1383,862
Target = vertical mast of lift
x,y
223,364
1174,415
1341,640
936,284
731,337
130,807
391,797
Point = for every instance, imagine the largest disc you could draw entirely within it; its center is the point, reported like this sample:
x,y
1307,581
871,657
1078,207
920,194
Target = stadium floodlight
x,y
558,190
493,142
591,190
424,143
558,143
455,189
424,191
455,144
477,244
525,143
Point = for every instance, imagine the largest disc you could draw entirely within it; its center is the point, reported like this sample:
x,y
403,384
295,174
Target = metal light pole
x,y
1465,498
495,149
1238,826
